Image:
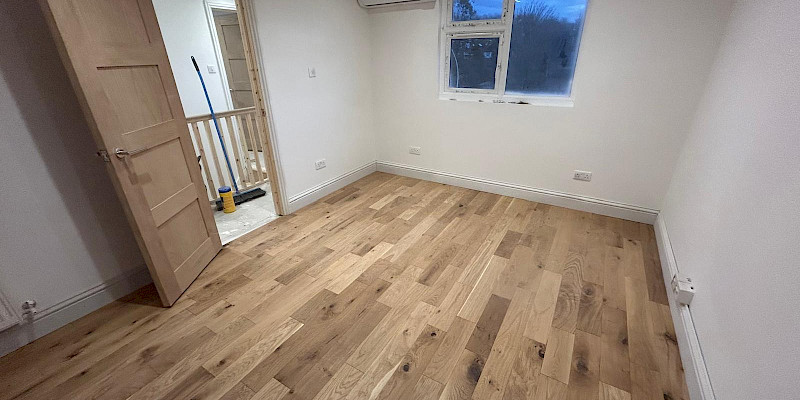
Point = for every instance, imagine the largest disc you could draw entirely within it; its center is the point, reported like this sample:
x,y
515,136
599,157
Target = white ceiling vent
x,y
388,3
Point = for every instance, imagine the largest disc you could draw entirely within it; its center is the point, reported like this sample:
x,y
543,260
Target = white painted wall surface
x,y
64,233
186,33
640,73
330,116
732,207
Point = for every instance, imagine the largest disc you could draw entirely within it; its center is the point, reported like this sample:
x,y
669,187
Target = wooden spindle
x,y
250,132
211,143
235,151
243,136
203,160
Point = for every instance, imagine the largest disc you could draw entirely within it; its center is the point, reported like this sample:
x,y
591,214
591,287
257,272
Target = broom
x,y
239,197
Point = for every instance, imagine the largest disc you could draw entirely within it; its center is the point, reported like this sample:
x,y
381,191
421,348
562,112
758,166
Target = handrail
x,y
238,111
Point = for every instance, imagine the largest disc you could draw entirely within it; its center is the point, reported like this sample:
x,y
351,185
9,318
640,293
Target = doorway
x,y
229,42
212,31
127,84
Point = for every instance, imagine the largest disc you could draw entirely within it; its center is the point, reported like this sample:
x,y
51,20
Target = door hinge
x,y
104,155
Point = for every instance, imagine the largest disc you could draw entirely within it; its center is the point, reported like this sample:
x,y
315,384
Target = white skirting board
x,y
567,200
58,315
694,364
325,188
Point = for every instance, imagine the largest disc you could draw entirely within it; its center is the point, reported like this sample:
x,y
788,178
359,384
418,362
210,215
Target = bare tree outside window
x,y
470,10
544,50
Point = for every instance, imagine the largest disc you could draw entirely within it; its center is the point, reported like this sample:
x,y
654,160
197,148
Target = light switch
x,y
212,69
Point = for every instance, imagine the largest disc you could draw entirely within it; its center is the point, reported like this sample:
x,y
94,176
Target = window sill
x,y
528,100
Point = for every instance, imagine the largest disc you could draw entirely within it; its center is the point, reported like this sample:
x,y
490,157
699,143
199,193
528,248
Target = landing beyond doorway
x,y
248,217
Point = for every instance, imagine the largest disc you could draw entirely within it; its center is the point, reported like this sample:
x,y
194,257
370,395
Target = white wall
x,y
64,235
186,33
732,208
640,72
330,116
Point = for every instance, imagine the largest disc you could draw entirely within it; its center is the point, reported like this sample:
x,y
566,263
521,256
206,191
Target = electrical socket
x,y
683,287
582,176
415,150
320,164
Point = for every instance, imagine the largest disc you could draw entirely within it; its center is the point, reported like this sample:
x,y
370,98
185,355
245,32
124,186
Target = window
x,y
473,62
519,51
487,9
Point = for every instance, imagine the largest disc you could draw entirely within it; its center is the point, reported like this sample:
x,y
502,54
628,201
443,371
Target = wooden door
x,y
115,55
232,46
236,69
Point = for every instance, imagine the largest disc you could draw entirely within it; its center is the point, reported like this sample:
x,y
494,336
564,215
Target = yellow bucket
x,y
228,205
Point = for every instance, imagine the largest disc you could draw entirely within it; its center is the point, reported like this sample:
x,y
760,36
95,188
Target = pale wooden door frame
x,y
247,23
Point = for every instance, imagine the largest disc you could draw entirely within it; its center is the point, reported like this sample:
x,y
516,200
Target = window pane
x,y
544,46
470,10
473,63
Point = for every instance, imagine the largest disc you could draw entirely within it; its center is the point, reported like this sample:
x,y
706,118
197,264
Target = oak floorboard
x,y
465,376
614,354
585,372
558,358
443,362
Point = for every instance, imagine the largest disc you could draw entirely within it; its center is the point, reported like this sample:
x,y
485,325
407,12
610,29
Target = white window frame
x,y
490,28
476,35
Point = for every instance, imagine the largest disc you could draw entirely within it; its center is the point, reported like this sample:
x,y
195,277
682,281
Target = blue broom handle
x,y
216,125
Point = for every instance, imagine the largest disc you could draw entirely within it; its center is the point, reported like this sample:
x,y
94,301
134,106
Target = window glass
x,y
470,10
473,63
544,46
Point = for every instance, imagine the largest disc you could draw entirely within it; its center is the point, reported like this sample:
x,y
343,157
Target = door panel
x,y
119,68
136,84
237,73
230,42
159,174
123,21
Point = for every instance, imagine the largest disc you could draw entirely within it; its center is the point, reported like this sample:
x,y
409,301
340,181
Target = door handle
x,y
122,153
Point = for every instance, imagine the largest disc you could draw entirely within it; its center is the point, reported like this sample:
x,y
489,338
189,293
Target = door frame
x,y
248,24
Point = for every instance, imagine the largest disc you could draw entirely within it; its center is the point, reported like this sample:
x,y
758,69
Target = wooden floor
x,y
389,288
